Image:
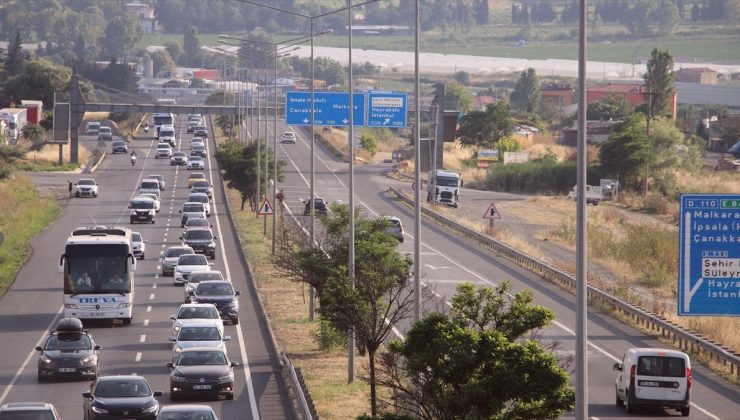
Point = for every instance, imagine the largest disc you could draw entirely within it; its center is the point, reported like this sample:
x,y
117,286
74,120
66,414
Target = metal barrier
x,y
299,385
683,339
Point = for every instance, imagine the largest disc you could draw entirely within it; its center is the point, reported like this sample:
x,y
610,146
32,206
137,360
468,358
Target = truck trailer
x,y
16,120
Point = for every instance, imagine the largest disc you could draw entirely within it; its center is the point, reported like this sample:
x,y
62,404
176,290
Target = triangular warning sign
x,y
266,208
491,212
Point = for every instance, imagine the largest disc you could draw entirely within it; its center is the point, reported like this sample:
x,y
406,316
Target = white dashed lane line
x,y
146,322
149,308
138,357
151,296
142,339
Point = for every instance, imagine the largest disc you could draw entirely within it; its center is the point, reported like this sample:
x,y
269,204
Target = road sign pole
x,y
490,226
311,291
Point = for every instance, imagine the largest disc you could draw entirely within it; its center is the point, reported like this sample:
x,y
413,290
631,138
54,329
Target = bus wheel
x,y
126,321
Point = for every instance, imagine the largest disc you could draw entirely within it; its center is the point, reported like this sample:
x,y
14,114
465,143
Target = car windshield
x,y
122,389
199,358
179,154
196,223
199,334
219,289
166,133
136,237
196,158
194,312
150,185
205,275
198,234
446,181
105,129
86,182
198,198
68,341
142,205
192,208
176,252
192,260
201,184
118,143
186,414
198,146
40,415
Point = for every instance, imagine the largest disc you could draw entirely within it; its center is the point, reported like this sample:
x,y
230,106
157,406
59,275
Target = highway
x,y
34,302
448,260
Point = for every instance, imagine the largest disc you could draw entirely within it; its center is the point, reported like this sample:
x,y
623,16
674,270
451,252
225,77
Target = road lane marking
x,y
20,370
239,334
142,339
138,357
146,322
151,296
154,285
149,308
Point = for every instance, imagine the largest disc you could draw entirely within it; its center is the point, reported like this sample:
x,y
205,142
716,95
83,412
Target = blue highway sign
x,y
331,108
386,109
709,255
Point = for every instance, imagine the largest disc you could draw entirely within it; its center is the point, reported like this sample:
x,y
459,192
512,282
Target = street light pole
x,y
417,170
312,230
351,265
274,148
267,148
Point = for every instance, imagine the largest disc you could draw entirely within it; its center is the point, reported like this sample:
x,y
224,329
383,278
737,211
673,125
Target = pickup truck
x,y
594,194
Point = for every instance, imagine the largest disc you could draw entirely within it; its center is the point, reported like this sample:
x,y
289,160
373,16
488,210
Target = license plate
x,y
142,217
649,384
201,387
67,370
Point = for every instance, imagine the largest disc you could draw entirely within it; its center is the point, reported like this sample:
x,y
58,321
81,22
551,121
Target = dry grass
x,y
709,182
95,116
49,154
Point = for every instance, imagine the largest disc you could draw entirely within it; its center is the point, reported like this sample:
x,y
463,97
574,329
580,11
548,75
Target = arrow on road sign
x,y
306,120
492,213
266,208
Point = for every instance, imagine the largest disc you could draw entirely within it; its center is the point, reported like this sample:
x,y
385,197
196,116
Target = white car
x,y
196,162
164,150
288,137
149,186
154,197
170,257
194,312
203,334
195,278
197,141
654,377
187,263
199,197
86,187
139,245
196,223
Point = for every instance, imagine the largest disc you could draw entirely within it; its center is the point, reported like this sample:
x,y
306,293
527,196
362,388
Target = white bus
x,y
98,266
161,119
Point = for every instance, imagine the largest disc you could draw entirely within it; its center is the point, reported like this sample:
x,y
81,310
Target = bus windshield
x,y
95,269
163,119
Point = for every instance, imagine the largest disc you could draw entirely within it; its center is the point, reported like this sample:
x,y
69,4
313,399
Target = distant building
x,y
596,132
144,13
560,94
635,94
702,76
482,101
380,29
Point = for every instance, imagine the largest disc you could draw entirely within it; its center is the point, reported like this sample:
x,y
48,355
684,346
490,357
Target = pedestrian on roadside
x,y
70,188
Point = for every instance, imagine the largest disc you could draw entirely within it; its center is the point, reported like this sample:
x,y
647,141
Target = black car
x,y
222,294
121,397
68,351
119,146
198,150
320,207
201,240
200,132
201,372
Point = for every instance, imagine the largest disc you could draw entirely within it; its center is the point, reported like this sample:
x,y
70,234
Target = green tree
x,y
40,79
161,61
484,129
507,144
659,82
175,51
17,58
239,163
463,78
121,35
667,16
456,94
368,143
192,54
526,94
34,133
450,366
610,107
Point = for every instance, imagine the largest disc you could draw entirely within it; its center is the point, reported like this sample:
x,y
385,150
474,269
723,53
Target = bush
x,y
657,204
329,338
535,177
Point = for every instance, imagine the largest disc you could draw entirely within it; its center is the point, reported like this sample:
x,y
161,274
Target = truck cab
x,y
444,188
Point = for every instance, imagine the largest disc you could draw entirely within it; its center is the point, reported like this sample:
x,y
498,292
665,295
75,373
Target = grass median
x,y
23,214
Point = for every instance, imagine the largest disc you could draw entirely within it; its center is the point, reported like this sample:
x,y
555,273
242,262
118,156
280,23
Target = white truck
x,y
16,119
594,194
444,187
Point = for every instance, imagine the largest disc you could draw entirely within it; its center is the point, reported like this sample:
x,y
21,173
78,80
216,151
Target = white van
x,y
654,377
93,127
167,135
150,186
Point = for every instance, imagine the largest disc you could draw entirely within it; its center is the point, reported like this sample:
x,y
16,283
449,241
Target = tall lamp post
x,y
312,19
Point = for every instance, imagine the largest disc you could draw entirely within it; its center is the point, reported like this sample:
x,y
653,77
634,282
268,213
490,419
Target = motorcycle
x,y
146,129
133,160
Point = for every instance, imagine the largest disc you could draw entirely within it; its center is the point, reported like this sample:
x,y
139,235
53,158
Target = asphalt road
x,y
34,303
448,261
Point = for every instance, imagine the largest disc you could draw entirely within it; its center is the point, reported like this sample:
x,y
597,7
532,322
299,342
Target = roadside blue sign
x,y
331,108
386,109
709,255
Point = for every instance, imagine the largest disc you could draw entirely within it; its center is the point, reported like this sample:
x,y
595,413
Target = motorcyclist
x,y
146,127
133,157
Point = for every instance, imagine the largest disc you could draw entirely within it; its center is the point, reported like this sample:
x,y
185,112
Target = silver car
x,y
203,334
194,280
170,257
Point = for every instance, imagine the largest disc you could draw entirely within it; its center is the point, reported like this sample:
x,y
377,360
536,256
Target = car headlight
x,y
70,306
177,378
152,409
176,328
212,245
99,410
45,359
88,359
177,349
227,378
123,305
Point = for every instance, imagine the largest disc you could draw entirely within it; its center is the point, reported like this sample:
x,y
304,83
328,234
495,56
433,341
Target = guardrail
x,y
685,340
299,384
